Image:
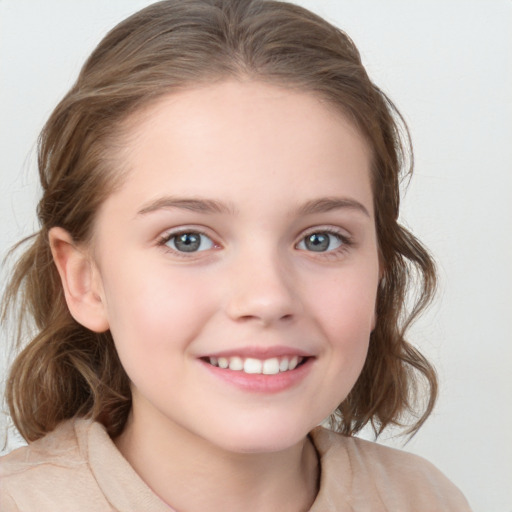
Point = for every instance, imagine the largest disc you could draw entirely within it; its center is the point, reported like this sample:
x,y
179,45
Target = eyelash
x,y
166,238
346,241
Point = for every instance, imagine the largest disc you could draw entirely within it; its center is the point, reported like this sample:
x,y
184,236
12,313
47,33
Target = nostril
x,y
288,317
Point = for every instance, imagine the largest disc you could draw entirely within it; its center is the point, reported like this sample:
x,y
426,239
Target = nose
x,y
262,288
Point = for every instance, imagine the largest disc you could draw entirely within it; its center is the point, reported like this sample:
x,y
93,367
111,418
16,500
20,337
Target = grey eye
x,y
320,242
190,242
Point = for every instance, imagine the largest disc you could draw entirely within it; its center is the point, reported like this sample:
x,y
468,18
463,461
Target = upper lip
x,y
259,352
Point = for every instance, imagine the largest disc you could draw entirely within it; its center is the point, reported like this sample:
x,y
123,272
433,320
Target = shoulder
x,y
387,478
59,447
51,469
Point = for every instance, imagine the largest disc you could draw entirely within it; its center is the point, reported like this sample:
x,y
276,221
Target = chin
x,y
255,439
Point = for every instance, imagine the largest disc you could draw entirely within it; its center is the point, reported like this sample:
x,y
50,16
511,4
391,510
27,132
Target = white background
x,y
448,66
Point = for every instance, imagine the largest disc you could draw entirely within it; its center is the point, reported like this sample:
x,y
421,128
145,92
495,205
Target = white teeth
x,y
236,363
252,365
271,366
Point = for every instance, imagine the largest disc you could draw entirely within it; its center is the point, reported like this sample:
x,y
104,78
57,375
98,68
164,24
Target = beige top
x,y
78,468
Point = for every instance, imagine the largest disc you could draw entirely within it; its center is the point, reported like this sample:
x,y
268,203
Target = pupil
x,y
317,242
187,242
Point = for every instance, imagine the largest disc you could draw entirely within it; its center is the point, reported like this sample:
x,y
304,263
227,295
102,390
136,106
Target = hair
x,y
67,370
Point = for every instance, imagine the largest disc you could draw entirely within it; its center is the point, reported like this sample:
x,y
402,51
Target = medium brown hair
x,y
67,370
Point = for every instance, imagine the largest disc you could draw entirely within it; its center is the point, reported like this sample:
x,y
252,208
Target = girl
x,y
219,269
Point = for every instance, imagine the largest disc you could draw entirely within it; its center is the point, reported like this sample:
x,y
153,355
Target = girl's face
x,y
243,236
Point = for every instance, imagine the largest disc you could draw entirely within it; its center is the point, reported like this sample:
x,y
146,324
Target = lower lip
x,y
259,383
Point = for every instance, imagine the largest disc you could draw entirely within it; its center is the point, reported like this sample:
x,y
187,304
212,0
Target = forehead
x,y
235,138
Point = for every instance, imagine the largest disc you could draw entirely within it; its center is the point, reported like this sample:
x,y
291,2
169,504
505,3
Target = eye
x,y
321,241
190,241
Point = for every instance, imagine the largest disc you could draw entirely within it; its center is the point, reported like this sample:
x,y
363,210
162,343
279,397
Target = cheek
x,y
347,301
154,311
345,310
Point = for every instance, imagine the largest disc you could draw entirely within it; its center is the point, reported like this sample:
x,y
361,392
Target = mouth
x,y
254,366
260,370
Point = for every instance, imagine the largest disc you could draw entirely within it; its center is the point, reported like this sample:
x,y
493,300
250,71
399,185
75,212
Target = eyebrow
x,y
195,205
328,204
322,205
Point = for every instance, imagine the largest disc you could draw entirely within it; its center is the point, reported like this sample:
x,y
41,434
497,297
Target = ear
x,y
80,280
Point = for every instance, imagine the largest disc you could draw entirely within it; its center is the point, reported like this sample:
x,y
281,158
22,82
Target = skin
x,y
280,165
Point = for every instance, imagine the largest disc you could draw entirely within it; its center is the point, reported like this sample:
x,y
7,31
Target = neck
x,y
189,473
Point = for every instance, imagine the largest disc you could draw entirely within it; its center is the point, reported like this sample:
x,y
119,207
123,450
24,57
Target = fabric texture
x,y
78,468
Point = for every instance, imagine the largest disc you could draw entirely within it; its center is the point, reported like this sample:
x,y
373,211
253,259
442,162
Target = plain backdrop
x,y
448,67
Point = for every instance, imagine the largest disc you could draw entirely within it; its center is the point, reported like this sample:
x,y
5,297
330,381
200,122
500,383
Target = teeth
x,y
250,365
236,363
271,366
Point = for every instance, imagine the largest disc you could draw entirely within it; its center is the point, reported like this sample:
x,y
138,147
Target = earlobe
x,y
80,281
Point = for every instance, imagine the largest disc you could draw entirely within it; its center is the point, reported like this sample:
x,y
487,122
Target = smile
x,y
258,370
271,366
